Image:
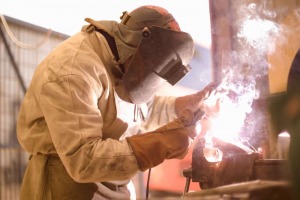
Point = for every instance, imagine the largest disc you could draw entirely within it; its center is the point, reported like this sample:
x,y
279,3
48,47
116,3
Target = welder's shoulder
x,y
70,57
74,56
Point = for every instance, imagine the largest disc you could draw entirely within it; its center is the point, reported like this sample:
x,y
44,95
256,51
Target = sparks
x,y
227,123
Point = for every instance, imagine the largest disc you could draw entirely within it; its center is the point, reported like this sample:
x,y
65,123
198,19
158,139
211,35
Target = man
x,y
92,95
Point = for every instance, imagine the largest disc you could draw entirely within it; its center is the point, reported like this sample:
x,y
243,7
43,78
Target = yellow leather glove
x,y
169,141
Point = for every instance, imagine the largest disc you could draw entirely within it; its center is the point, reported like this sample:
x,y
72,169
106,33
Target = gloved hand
x,y
169,141
196,101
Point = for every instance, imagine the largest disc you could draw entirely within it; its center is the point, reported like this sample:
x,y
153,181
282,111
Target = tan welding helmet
x,y
162,55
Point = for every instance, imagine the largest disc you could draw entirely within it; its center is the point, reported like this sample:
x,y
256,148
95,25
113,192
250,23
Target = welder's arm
x,y
70,107
167,142
196,102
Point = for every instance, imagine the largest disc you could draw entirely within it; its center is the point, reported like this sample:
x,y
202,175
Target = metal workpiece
x,y
240,171
237,165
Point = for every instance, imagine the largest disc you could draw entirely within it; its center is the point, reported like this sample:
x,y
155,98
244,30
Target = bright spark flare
x,y
227,123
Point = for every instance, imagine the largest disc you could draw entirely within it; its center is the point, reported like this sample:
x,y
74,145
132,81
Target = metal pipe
x,y
187,173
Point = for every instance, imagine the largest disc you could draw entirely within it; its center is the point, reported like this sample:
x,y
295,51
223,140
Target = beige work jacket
x,y
69,123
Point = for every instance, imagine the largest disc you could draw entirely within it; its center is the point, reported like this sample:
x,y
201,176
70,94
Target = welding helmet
x,y
162,54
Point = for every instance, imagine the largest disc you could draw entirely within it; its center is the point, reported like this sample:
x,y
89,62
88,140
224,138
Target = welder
x,y
90,119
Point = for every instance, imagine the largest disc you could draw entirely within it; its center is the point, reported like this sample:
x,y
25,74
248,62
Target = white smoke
x,y
257,35
257,27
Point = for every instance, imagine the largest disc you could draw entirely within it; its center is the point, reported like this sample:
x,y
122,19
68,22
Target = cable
x,y
147,187
19,43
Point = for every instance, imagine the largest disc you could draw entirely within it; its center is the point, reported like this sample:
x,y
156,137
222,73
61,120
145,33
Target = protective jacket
x,y
73,125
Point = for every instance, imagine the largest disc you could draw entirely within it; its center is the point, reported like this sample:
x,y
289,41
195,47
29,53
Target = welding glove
x,y
169,141
198,100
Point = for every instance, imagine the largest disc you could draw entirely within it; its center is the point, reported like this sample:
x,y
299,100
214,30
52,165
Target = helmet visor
x,y
161,56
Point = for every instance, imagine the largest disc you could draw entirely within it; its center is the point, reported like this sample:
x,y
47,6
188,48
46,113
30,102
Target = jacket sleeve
x,y
75,123
161,110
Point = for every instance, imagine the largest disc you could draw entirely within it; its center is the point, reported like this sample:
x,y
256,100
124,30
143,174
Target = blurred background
x,y
248,45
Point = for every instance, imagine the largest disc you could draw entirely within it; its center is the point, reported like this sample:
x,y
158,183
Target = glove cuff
x,y
144,149
151,149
